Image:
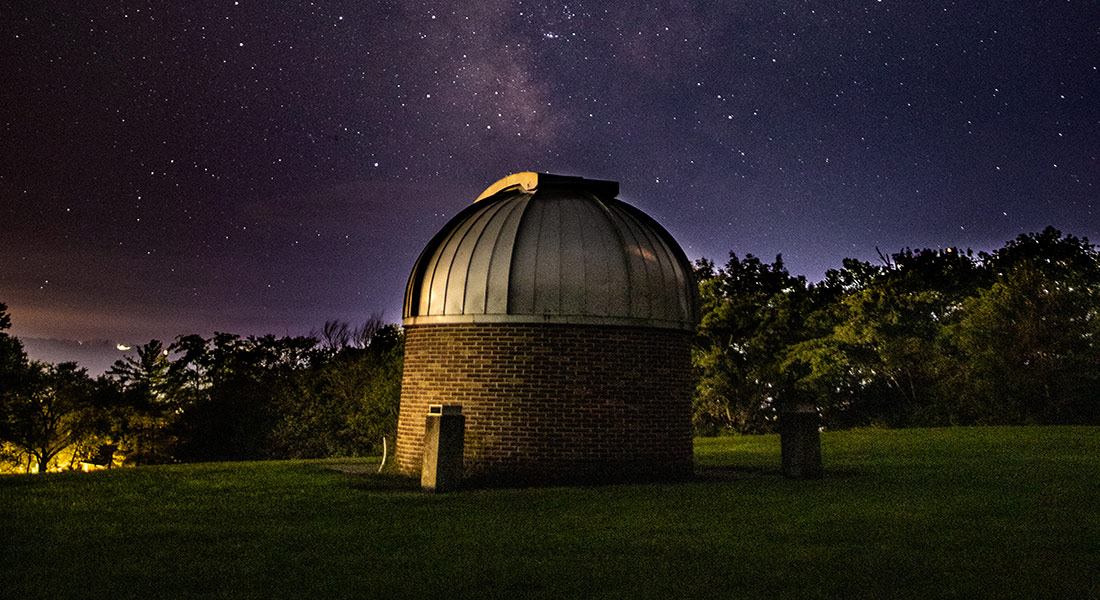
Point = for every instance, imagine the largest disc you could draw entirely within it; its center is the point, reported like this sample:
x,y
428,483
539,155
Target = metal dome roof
x,y
538,248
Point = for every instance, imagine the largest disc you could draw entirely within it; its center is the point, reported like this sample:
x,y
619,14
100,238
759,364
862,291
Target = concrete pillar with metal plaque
x,y
800,440
444,436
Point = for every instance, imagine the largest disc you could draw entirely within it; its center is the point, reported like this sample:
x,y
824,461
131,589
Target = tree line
x,y
926,338
921,338
334,393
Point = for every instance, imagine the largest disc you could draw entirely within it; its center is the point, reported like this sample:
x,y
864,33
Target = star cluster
x,y
261,167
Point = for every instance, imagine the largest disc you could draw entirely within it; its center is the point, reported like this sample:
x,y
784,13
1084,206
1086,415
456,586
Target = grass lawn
x,y
922,513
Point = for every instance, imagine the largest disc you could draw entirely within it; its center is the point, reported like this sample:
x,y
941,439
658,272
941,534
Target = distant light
x,y
122,347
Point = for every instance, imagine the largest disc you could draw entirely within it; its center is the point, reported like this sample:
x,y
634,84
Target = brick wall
x,y
553,402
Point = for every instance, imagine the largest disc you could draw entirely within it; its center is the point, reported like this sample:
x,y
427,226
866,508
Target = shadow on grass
x,y
383,482
732,473
18,480
364,476
369,480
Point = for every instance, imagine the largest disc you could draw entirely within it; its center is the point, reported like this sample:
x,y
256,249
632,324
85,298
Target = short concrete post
x,y
800,441
444,437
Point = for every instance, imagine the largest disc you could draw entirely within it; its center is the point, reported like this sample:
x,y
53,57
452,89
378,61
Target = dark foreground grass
x,y
924,513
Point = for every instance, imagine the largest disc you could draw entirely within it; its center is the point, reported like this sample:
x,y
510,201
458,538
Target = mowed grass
x,y
921,513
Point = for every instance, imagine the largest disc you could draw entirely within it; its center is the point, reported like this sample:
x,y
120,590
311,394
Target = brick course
x,y
552,402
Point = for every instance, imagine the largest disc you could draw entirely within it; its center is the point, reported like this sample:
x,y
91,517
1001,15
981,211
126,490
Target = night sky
x,y
261,167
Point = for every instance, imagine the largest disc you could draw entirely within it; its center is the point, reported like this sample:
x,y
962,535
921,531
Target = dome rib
x,y
478,270
547,290
441,277
666,248
573,279
458,284
639,270
500,263
653,257
523,260
616,267
555,250
454,296
415,293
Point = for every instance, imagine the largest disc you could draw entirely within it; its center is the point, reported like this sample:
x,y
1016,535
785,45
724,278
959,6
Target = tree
x,y
233,398
1029,342
751,312
345,403
14,372
930,337
235,382
13,359
46,412
336,335
148,392
882,360
43,408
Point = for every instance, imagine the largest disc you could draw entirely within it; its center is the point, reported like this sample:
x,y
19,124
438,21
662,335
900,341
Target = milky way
x,y
260,167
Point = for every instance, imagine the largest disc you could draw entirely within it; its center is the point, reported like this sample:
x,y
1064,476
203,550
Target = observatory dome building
x,y
559,318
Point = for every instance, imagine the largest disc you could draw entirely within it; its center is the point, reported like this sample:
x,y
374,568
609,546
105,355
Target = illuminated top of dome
x,y
539,248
